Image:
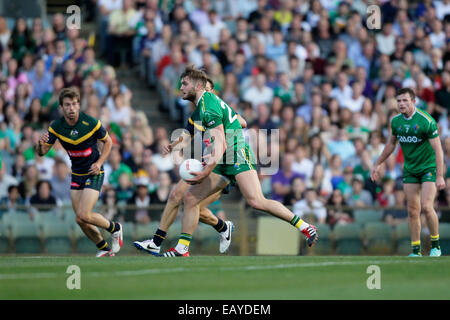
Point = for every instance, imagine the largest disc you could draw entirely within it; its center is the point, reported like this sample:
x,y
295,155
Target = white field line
x,y
126,273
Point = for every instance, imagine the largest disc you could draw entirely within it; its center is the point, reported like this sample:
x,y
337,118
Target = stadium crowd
x,y
312,69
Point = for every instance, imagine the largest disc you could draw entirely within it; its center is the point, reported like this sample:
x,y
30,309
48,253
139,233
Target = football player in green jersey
x,y
423,170
225,228
231,159
78,133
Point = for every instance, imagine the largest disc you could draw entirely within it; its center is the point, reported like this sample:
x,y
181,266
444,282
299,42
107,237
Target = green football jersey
x,y
214,112
413,134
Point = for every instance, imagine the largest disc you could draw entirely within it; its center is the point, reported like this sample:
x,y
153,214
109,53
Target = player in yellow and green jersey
x,y
79,133
423,171
231,160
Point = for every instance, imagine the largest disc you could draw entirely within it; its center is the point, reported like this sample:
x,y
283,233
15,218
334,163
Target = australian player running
x,y
224,228
78,133
237,164
423,170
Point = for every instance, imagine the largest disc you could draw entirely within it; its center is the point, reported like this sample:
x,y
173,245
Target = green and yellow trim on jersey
x,y
79,140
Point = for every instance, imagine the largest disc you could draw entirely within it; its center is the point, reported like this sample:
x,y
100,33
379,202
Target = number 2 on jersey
x,y
225,106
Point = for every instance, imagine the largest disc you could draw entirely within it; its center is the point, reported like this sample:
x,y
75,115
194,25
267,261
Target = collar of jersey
x,y
415,110
200,97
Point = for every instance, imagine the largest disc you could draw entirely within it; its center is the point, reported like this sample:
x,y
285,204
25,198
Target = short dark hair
x,y
68,93
408,91
195,74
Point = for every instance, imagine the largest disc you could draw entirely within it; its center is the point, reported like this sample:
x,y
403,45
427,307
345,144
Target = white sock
x,y
181,248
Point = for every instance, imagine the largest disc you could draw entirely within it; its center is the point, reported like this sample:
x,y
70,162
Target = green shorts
x,y
424,176
245,161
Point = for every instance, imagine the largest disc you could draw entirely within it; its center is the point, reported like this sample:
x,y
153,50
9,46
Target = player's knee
x,y
190,199
175,197
428,210
413,212
84,217
256,203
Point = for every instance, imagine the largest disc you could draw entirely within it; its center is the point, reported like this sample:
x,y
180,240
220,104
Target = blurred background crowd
x,y
312,69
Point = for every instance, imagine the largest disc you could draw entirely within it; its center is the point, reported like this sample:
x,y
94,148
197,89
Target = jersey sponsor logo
x,y
80,153
211,123
409,139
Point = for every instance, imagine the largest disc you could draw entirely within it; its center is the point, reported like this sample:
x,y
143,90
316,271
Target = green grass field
x,y
224,277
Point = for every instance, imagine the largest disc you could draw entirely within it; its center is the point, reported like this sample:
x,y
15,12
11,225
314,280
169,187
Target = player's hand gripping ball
x,y
188,166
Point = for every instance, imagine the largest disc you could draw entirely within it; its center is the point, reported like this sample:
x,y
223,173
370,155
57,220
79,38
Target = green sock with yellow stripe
x,y
435,242
415,246
183,243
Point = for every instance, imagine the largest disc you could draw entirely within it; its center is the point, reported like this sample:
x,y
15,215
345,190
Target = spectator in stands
x,y
5,34
11,202
302,165
115,167
60,182
43,200
258,92
70,76
337,214
121,30
296,193
359,197
111,211
397,214
310,207
125,189
281,181
318,182
20,41
59,26
6,180
161,195
385,197
140,201
40,79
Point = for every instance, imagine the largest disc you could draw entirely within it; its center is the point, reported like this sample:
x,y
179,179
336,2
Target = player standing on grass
x,y
229,147
423,170
78,133
225,228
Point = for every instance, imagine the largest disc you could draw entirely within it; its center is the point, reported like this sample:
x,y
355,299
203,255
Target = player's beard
x,y
191,96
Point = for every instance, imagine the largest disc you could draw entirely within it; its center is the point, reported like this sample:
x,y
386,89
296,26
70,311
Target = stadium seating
x,y
324,245
207,238
4,239
286,240
57,237
379,239
403,239
364,216
444,235
128,237
25,235
145,231
82,243
15,218
347,238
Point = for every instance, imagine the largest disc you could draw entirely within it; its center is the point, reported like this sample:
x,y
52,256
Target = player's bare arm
x,y
218,136
97,165
387,151
179,144
43,147
242,121
436,145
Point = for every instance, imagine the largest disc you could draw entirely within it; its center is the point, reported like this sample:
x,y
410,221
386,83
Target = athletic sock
x,y
415,245
103,245
435,242
113,227
299,223
159,237
221,226
183,243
